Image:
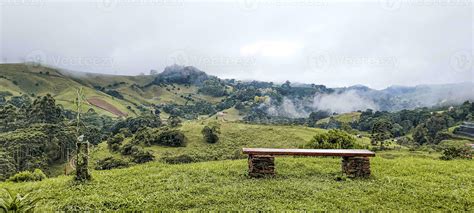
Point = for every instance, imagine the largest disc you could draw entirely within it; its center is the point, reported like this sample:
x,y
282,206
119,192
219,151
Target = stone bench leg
x,y
261,165
355,167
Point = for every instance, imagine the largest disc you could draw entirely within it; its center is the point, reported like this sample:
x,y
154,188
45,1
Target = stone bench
x,y
355,162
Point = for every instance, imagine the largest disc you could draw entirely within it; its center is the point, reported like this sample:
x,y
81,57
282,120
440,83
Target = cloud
x,y
271,48
348,101
289,108
364,42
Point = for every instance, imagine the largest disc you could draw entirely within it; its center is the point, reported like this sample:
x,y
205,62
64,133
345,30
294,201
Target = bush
x,y
334,139
115,142
14,202
405,141
210,134
142,156
128,149
145,136
174,121
110,163
174,138
441,136
455,150
137,123
25,176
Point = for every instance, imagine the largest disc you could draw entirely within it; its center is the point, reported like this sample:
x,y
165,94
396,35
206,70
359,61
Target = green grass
x,y
344,118
406,182
234,136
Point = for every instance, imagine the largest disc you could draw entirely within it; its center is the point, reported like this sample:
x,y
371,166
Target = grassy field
x,y
403,181
345,118
234,136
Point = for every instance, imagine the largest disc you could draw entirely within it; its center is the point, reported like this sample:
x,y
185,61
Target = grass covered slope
x,y
411,182
234,136
36,80
344,118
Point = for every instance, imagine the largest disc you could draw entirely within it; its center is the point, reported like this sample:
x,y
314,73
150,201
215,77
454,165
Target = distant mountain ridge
x,y
187,85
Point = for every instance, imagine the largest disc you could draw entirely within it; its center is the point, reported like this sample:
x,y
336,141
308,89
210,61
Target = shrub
x,y
405,141
128,149
145,136
210,134
334,139
173,137
174,121
142,156
110,163
137,123
17,203
455,149
441,136
114,93
39,175
25,176
115,142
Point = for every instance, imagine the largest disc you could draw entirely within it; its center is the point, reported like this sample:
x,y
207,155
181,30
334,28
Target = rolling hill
x,y
135,91
122,96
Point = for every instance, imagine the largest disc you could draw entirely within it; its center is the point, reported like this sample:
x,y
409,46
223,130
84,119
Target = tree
x,y
285,88
171,137
316,116
7,166
44,110
135,124
381,131
114,142
213,87
397,130
420,134
346,127
435,124
211,133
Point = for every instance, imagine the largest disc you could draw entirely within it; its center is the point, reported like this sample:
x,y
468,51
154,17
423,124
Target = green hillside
x,y
405,182
344,118
233,137
34,80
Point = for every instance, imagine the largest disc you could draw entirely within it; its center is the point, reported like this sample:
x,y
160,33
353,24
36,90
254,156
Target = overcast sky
x,y
378,44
